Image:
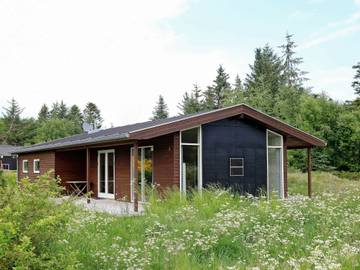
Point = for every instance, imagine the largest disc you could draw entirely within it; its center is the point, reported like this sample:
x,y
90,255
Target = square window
x,y
190,136
236,166
36,165
274,139
25,167
6,166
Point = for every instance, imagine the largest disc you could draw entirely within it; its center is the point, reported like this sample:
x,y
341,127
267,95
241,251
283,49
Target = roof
x,y
155,128
6,150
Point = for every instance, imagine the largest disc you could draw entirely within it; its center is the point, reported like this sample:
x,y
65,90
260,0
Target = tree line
x,y
54,122
275,85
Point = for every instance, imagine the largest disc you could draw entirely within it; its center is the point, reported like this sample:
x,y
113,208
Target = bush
x,y
30,222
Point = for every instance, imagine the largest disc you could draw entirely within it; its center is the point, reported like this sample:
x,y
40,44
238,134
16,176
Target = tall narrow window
x,y
36,165
145,172
191,160
25,166
275,164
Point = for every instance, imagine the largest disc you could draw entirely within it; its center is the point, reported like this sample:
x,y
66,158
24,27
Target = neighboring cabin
x,y
8,161
236,147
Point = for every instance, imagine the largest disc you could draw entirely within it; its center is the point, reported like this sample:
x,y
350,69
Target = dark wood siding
x,y
93,181
71,165
122,174
165,160
47,163
234,138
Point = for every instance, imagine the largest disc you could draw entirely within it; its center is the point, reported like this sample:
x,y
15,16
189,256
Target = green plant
x,y
30,222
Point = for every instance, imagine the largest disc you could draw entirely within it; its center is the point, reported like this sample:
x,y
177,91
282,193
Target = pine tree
x,y
214,96
12,123
75,116
235,94
161,110
293,75
55,109
44,113
63,110
238,82
92,115
267,69
356,82
265,79
191,103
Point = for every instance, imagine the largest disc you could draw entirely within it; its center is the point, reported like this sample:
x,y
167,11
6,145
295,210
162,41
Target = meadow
x,y
215,230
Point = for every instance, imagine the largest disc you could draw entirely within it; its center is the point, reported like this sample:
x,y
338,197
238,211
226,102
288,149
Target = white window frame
x,y
242,167
23,167
281,147
106,195
36,160
182,180
5,165
142,171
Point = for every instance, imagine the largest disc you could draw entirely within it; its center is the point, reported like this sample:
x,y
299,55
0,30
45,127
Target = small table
x,y
77,187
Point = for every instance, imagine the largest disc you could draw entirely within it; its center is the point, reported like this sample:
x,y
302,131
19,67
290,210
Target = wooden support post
x,y
285,157
309,168
135,176
87,173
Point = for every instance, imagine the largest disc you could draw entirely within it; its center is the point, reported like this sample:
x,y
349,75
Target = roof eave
x,y
118,137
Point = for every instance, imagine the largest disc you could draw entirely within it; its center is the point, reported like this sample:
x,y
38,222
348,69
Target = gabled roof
x,y
6,150
150,129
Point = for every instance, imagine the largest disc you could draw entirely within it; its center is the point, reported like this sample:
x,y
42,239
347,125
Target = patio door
x,y
106,174
145,172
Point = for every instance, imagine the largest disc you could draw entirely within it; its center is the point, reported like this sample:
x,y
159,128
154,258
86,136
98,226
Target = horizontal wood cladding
x,y
165,160
47,163
302,138
93,180
71,165
122,172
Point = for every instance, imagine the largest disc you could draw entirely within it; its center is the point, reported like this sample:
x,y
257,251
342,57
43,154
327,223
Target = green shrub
x,y
30,222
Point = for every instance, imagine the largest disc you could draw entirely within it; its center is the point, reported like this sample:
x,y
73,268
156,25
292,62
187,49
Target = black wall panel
x,y
12,161
234,138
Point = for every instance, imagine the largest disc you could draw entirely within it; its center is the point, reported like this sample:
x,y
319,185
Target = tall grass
x,y
220,230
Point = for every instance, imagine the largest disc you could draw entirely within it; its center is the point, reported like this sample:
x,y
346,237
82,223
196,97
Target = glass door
x,y
145,173
275,164
106,174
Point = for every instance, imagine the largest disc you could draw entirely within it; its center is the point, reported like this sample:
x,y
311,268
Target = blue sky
x,y
241,26
123,54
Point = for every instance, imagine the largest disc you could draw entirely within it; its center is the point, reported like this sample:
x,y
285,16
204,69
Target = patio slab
x,y
109,206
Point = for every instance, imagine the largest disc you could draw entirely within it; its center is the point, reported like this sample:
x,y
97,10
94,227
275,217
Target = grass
x,y
322,182
219,230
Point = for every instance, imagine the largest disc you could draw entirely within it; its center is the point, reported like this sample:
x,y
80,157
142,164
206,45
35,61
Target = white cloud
x,y
334,30
329,36
352,19
335,82
115,53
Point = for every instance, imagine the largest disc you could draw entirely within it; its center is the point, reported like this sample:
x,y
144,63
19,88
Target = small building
x,y
8,161
236,147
